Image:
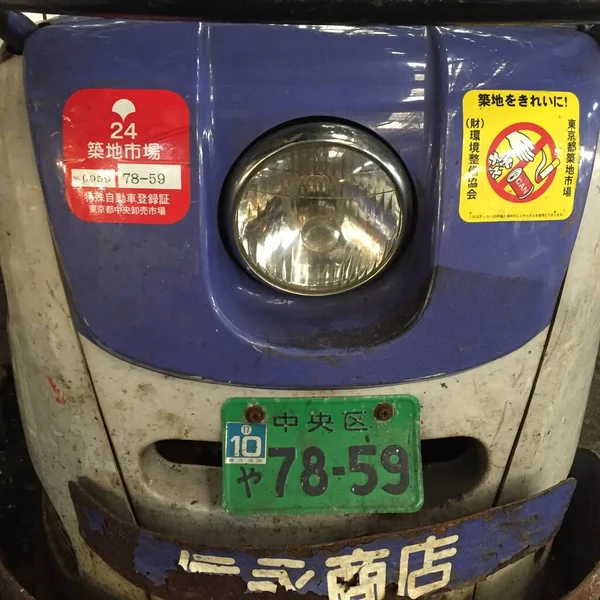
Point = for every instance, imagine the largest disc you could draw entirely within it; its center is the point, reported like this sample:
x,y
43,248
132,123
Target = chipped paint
x,y
59,394
442,557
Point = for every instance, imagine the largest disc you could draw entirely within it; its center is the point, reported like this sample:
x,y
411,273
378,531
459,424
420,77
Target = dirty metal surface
x,y
406,564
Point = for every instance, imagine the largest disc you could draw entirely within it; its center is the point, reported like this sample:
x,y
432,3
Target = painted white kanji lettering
x,y
94,208
357,576
126,209
211,565
408,581
100,209
98,197
110,210
89,196
133,151
110,197
142,199
143,210
163,198
152,198
276,574
153,210
135,210
162,211
121,198
152,151
131,198
114,151
119,209
95,150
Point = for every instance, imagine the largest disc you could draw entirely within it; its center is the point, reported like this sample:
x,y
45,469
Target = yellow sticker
x,y
520,155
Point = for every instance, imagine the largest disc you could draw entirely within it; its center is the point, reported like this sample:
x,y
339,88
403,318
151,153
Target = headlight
x,y
318,208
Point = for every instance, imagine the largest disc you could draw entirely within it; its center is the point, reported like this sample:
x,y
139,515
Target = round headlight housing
x,y
318,208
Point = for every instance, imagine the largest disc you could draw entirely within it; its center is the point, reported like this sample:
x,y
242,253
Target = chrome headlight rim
x,y
291,135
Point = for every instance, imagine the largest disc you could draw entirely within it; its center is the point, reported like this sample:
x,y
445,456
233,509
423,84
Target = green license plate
x,y
322,455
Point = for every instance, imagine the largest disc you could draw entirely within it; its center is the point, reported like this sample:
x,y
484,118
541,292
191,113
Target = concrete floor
x,y
590,435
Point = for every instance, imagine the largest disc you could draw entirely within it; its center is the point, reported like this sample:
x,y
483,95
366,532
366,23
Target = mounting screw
x,y
383,411
255,414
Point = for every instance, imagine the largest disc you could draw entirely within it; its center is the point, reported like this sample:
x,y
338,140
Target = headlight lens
x,y
319,208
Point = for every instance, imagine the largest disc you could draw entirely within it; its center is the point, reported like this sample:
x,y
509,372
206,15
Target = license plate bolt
x,y
255,414
383,411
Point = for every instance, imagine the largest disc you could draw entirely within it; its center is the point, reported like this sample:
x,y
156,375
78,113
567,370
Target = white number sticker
x,y
162,177
93,178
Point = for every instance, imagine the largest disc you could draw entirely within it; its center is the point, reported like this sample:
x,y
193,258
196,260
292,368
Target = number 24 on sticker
x,y
119,134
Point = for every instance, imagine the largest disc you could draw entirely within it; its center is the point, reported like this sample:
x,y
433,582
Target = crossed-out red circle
x,y
545,140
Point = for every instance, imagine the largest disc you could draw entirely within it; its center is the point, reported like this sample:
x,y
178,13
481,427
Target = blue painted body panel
x,y
459,553
173,299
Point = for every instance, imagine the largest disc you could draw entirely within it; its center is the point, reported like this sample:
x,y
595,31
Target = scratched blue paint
x,y
172,297
152,556
96,520
484,545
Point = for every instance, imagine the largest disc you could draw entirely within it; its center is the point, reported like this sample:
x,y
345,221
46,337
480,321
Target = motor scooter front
x,y
301,310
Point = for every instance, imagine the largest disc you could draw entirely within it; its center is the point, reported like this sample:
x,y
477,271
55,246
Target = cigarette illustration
x,y
520,168
542,171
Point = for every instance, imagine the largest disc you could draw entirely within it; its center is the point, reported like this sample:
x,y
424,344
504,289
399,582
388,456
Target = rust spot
x,y
255,414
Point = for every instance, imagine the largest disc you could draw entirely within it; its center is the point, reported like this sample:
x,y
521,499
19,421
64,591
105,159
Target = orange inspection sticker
x,y
520,155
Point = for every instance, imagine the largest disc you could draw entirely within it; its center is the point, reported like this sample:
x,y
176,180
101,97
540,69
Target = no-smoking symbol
x,y
522,162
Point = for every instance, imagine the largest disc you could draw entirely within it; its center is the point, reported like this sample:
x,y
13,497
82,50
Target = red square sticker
x,y
127,156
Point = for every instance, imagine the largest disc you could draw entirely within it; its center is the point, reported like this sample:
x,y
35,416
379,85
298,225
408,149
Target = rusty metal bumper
x,y
410,564
475,547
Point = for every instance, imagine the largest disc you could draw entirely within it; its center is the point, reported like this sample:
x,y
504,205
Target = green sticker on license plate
x,y
322,455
